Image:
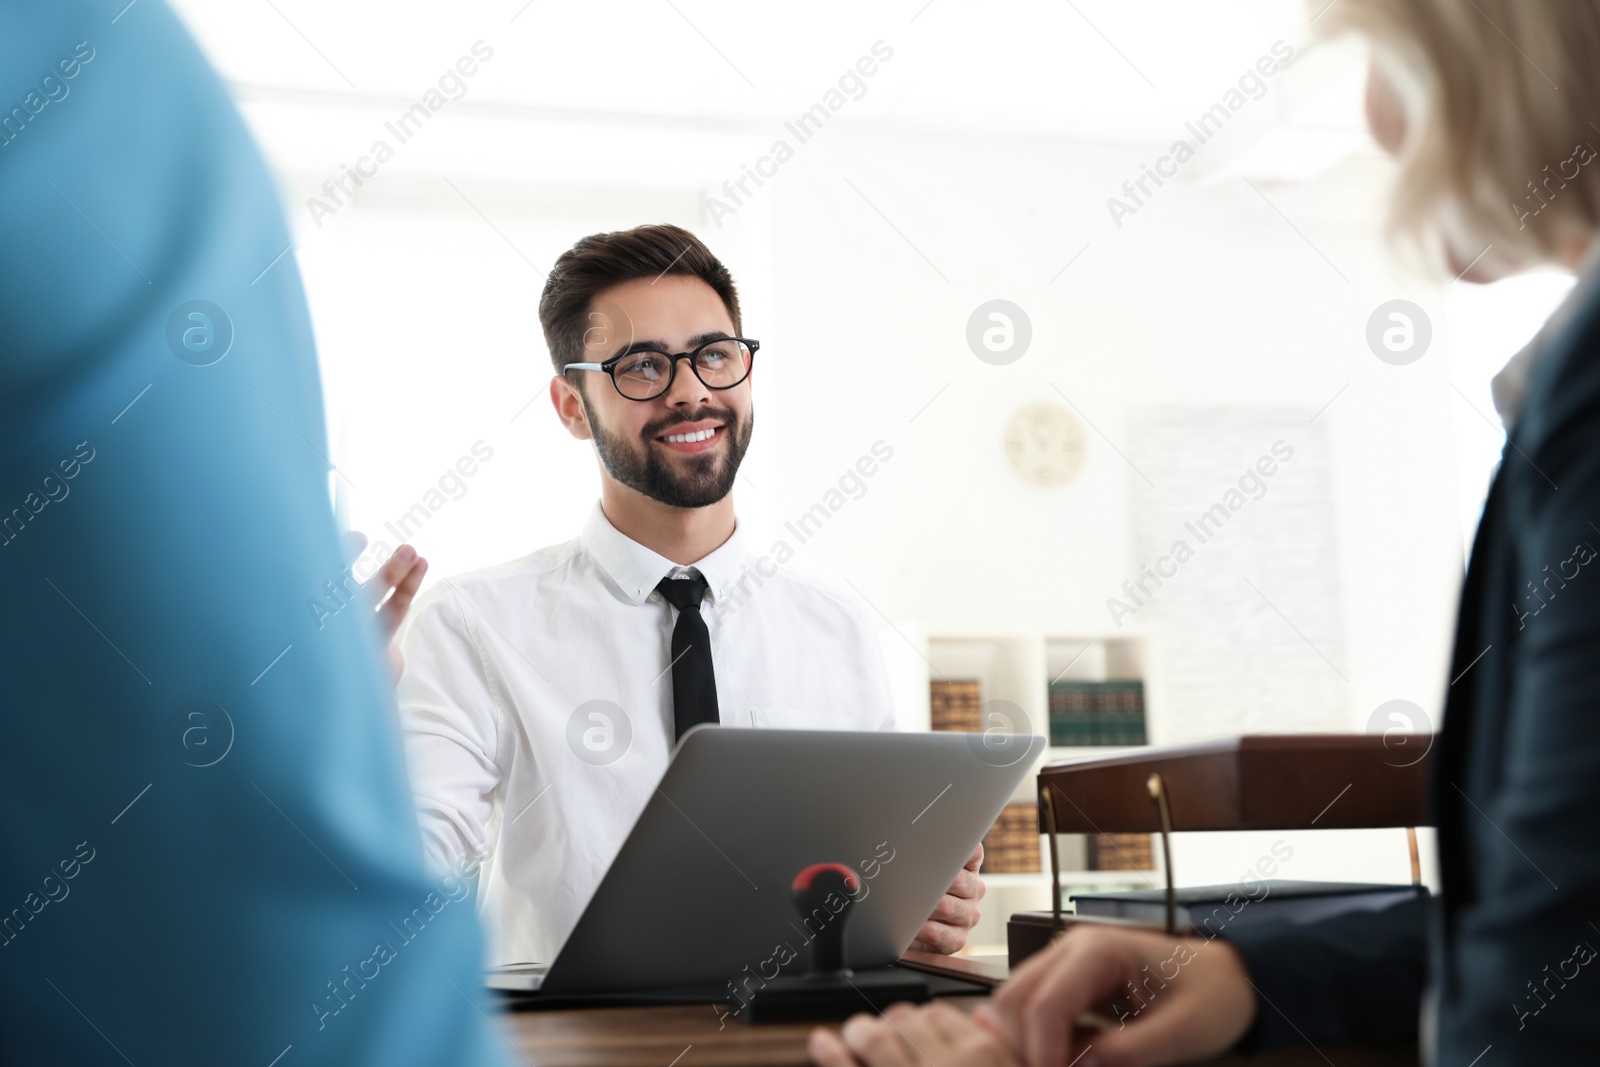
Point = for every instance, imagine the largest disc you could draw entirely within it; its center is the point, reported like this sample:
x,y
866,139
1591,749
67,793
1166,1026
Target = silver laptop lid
x,y
699,892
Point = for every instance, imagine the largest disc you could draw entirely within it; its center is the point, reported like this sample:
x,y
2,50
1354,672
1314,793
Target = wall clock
x,y
1044,445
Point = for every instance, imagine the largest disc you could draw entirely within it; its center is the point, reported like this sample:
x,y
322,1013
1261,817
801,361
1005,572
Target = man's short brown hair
x,y
602,260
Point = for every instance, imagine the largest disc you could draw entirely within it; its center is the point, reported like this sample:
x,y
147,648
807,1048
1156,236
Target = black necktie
x,y
694,684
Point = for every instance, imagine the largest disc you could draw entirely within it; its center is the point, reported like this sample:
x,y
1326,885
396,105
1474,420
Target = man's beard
x,y
705,479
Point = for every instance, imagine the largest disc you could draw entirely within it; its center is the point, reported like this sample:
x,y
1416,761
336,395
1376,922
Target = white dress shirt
x,y
536,705
1508,386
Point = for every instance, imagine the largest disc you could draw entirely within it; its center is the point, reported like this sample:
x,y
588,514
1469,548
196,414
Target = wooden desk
x,y
676,1036
691,1035
688,1036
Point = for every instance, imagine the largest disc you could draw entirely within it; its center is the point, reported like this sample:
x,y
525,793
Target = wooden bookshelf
x,y
969,678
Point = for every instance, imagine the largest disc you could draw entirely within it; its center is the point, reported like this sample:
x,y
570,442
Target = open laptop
x,y
699,893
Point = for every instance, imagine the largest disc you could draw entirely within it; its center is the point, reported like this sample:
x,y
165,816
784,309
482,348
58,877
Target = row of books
x,y
1097,713
1121,852
956,705
1081,713
1012,845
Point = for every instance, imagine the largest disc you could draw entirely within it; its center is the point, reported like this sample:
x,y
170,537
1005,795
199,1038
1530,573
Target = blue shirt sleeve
x,y
208,852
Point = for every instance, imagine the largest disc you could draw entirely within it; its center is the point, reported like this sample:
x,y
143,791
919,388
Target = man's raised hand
x,y
391,590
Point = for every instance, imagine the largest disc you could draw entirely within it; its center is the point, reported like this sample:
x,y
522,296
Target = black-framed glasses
x,y
648,373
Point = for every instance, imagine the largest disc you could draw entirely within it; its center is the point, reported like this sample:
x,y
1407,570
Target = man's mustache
x,y
656,429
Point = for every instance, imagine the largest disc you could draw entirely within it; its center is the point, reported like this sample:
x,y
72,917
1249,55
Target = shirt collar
x,y
636,570
1510,385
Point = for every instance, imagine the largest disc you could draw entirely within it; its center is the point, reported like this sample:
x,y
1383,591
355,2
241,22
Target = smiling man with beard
x,y
541,698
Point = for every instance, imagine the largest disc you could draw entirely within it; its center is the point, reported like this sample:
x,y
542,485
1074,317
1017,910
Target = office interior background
x,y
1160,334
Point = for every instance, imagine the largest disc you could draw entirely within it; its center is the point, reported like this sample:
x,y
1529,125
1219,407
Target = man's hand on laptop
x,y
945,932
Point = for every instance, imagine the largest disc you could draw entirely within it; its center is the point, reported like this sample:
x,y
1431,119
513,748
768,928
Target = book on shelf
x,y
955,705
1012,845
1120,852
1215,907
1097,713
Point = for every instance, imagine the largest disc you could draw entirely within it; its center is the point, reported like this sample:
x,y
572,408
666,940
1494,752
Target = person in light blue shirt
x,y
207,847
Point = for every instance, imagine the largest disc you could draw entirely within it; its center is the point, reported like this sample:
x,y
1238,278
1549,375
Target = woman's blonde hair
x,y
1502,97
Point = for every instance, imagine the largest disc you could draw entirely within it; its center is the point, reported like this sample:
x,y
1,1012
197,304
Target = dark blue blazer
x,y
1508,950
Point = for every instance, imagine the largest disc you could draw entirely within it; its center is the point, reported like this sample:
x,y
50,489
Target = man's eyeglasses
x,y
648,373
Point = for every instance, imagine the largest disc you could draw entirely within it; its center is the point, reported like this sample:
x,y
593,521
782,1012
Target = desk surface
x,y
689,1036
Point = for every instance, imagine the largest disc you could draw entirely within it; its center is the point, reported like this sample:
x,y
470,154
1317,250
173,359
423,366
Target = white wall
x,y
860,263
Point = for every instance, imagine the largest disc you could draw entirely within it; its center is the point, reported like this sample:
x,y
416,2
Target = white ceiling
x,y
1105,70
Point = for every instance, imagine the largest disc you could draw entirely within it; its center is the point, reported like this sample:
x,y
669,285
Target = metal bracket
x,y
1158,794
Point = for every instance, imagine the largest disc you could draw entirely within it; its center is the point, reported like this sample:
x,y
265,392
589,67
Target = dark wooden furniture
x,y
1268,782
1265,782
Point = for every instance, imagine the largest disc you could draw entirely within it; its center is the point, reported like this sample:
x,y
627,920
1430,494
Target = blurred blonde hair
x,y
1500,98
